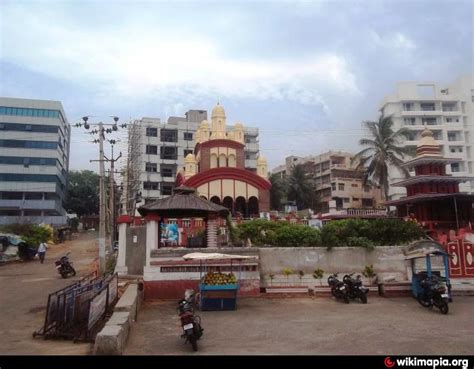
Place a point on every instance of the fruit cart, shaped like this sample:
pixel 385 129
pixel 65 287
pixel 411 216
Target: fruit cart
pixel 217 291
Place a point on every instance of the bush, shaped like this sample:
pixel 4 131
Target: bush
pixel 365 233
pixel 264 232
pixel 32 234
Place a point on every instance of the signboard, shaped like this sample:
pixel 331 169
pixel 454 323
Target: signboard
pixel 170 233
pixel 97 308
pixel 315 223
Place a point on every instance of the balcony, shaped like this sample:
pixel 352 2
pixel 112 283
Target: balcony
pixel 54 220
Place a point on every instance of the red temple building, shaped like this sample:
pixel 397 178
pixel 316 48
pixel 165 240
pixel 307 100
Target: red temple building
pixel 433 197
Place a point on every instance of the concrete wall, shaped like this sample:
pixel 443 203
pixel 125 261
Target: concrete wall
pixel 387 261
pixel 136 251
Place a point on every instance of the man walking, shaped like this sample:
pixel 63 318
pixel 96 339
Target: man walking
pixel 42 251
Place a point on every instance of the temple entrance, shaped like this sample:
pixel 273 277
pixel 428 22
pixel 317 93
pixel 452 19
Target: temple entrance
pixel 215 200
pixel 253 207
pixel 241 206
pixel 228 202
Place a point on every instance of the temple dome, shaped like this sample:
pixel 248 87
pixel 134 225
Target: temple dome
pixel 218 111
pixel 204 124
pixel 190 158
pixel 427 144
pixel 261 160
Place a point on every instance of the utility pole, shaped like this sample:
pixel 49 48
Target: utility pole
pixel 112 219
pixel 102 194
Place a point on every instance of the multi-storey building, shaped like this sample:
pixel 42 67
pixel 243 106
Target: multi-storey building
pixel 448 111
pixel 335 178
pixel 159 150
pixel 34 161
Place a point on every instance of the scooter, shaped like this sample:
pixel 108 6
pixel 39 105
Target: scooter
pixel 64 266
pixel 338 289
pixel 434 293
pixel 355 289
pixel 190 322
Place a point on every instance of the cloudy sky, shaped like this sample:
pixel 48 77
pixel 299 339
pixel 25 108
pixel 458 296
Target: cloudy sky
pixel 305 72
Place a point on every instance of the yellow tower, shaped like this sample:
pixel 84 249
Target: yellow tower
pixel 203 132
pixel 262 169
pixel 190 166
pixel 218 122
pixel 239 133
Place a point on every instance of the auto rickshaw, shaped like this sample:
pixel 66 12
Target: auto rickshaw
pixel 433 253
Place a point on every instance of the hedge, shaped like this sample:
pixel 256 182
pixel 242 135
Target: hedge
pixel 350 232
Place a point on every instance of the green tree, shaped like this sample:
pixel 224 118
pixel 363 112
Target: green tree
pixel 381 151
pixel 277 192
pixel 300 187
pixel 83 194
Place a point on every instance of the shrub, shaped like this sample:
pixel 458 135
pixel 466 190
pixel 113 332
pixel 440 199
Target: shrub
pixel 32 234
pixel 318 274
pixel 368 271
pixel 264 232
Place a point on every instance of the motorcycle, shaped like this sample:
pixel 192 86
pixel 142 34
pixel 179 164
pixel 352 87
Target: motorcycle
pixel 190 322
pixel 434 294
pixel 64 266
pixel 355 289
pixel 338 289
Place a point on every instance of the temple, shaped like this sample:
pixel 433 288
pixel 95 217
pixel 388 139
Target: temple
pixel 433 197
pixel 217 169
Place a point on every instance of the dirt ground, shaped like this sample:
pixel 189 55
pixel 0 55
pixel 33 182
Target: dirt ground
pixel 396 326
pixel 24 289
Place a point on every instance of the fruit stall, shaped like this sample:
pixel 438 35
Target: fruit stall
pixel 217 290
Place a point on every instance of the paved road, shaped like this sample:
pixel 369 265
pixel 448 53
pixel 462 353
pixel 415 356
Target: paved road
pixel 24 289
pixel 396 326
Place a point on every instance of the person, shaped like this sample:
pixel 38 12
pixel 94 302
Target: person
pixel 42 251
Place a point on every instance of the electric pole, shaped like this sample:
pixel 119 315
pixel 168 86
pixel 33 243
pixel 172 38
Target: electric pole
pixel 112 205
pixel 102 194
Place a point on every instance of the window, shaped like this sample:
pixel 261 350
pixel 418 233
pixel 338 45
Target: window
pixel 455 167
pixel 45 113
pixel 187 152
pixel 346 199
pixel 409 121
pixel 151 167
pixel 429 121
pixel 355 199
pixel 452 136
pixel 150 185
pixel 32 161
pixel 166 171
pixel 333 186
pixel 166 189
pixel 151 132
pixel 354 185
pixel 186 223
pixel 427 106
pixel 247 156
pixel 152 149
pixel 169 135
pixel 26 162
pixel 16 177
pixel 167 152
pixel 188 136
pixel 341 186
pixel 408 106
pixel 29 144
pixel 449 120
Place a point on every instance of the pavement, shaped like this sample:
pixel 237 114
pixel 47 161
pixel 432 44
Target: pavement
pixel 319 326
pixel 24 289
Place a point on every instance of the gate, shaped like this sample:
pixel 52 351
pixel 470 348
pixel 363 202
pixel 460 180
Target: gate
pixel 461 265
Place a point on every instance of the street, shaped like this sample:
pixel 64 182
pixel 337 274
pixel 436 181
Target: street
pixel 320 326
pixel 24 289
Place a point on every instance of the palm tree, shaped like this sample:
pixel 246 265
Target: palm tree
pixel 277 192
pixel 382 151
pixel 300 187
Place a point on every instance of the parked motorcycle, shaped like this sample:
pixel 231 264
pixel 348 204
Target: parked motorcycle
pixel 354 288
pixel 338 289
pixel 190 322
pixel 64 266
pixel 434 293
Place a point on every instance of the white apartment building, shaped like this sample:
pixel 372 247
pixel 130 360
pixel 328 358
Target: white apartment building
pixel 159 149
pixel 335 178
pixel 448 111
pixel 34 161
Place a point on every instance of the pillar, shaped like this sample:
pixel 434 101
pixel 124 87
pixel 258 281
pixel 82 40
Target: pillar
pixel 152 235
pixel 123 222
pixel 211 230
